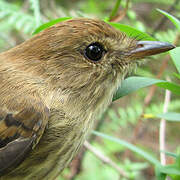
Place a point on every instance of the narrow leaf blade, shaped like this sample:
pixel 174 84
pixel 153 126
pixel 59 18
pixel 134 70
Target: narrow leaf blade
pixel 132 147
pixel 134 83
pixel 175 88
pixel 175 54
pixel 132 32
pixel 49 24
pixel 174 20
pixel 170 116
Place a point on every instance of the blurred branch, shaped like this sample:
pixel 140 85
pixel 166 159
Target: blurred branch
pixel 9 41
pixel 121 14
pixel 115 10
pixel 36 9
pixel 104 158
pixel 54 9
pixel 162 129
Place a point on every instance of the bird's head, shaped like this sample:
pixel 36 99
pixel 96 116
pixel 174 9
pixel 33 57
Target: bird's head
pixel 83 51
pixel 87 58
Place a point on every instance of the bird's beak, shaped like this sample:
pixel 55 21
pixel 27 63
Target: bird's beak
pixel 148 48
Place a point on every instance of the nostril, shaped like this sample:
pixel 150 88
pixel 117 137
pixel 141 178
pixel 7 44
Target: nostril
pixel 140 45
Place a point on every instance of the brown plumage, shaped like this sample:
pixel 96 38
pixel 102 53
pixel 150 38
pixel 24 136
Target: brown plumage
pixel 53 86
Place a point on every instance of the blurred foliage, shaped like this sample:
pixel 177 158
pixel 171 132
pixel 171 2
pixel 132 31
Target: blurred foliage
pixel 125 118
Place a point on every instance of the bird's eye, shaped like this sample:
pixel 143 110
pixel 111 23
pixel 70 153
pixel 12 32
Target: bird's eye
pixel 94 51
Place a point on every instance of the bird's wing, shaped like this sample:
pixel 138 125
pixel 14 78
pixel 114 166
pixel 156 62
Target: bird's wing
pixel 20 131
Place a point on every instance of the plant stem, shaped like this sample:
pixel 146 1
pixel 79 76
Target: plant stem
pixel 104 158
pixel 115 9
pixel 162 129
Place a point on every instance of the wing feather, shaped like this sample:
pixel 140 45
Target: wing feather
pixel 20 131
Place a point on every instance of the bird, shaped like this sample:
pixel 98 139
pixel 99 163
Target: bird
pixel 53 87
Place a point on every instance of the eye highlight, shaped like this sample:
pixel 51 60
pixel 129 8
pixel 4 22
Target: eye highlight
pixel 94 51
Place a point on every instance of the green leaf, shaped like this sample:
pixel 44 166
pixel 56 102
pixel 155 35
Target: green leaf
pixel 132 84
pixel 170 116
pixel 49 24
pixel 170 154
pixel 174 20
pixel 172 170
pixel 175 55
pixel 159 174
pixel 169 169
pixel 175 88
pixel 178 160
pixel 132 147
pixel 176 75
pixel 132 32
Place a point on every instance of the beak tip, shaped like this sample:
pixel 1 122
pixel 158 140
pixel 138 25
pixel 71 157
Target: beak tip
pixel 172 46
pixel 148 48
pixel 168 46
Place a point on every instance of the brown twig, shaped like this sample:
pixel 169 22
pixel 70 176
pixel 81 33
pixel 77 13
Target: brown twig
pixel 105 159
pixel 121 14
